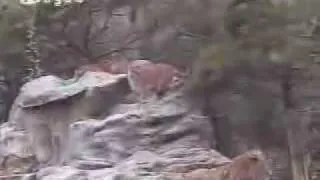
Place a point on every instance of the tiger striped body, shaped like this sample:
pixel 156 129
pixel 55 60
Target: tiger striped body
pixel 147 78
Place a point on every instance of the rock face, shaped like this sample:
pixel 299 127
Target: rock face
pixel 157 139
pixel 250 165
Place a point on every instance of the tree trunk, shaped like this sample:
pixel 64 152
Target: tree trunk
pixel 295 121
pixel 300 161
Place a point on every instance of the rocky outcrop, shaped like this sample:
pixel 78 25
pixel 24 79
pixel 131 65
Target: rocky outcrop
pixel 157 139
pixel 249 165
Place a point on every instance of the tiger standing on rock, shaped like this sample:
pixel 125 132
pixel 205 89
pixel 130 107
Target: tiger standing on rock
pixel 147 78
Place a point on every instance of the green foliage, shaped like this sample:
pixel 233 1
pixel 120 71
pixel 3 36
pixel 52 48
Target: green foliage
pixel 212 57
pixel 14 22
pixel 45 10
pixel 257 24
pixel 259 32
pixel 209 65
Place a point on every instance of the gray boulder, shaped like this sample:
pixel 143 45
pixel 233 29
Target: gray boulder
pixel 157 139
